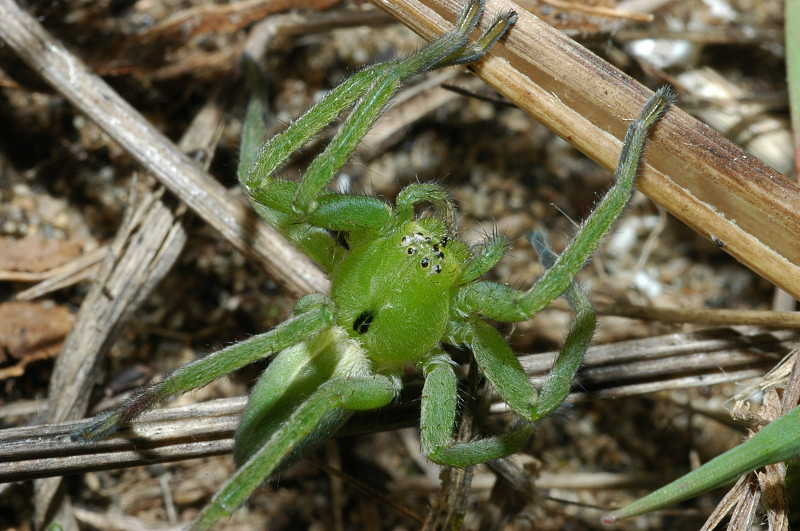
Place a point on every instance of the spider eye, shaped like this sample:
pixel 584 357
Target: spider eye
pixel 411 250
pixel 424 262
pixel 362 322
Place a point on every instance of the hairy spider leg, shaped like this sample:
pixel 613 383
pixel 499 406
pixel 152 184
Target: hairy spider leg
pixel 438 418
pixel 503 303
pixel 503 369
pixel 354 393
pixel 556 386
pixel 205 370
pixel 304 212
pixel 492 353
pixel 370 90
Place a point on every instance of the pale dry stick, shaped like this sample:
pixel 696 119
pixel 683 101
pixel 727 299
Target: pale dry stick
pixel 652 364
pixel 719 190
pixel 695 316
pixel 745 512
pixel 209 199
pixel 742 489
pixel 143 252
pixel 703 316
pixel 71 273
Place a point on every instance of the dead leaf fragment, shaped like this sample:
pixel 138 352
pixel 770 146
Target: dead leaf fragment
pixel 29 332
pixel 35 255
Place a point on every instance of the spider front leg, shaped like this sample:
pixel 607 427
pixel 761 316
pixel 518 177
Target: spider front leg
pixel 334 398
pixel 503 303
pixel 496 301
pixel 315 318
pixel 369 91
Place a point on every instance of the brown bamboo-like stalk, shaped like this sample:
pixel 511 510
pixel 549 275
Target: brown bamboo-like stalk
pixel 719 190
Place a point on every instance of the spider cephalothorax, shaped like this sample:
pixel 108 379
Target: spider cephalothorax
pixel 376 286
pixel 403 286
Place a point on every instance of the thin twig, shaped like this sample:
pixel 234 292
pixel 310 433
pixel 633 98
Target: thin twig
pixel 703 316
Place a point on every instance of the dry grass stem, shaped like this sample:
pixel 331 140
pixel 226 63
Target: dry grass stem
pixel 703 316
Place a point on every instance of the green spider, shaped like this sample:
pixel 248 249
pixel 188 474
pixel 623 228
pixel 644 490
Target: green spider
pixel 403 286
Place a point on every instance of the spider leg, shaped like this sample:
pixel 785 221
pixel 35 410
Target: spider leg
pixel 437 420
pixel 501 366
pixel 338 395
pixel 485 256
pixel 497 301
pixel 502 303
pixel 203 371
pixel 286 383
pixel 556 387
pixel 418 193
pixel 280 147
pixel 451 48
pixel 445 51
pixel 370 90
pixel 503 369
pixel 361 119
pixel 469 54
